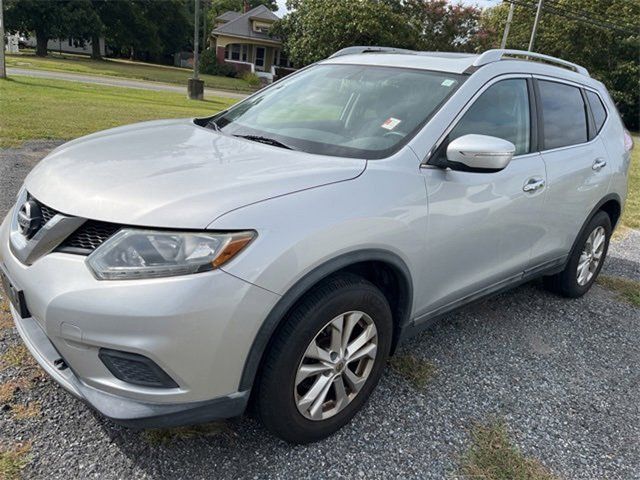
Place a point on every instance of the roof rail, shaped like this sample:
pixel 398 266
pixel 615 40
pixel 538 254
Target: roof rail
pixel 491 56
pixel 373 49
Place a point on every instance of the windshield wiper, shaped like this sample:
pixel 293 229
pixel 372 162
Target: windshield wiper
pixel 212 124
pixel 265 140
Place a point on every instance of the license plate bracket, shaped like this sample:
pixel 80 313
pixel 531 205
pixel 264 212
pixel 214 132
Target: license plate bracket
pixel 15 296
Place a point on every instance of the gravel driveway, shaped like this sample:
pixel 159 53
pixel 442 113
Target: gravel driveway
pixel 563 375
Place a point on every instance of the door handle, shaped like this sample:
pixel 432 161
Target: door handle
pixel 599 164
pixel 533 185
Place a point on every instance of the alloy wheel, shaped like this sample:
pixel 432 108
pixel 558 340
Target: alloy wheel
pixel 336 365
pixel 591 256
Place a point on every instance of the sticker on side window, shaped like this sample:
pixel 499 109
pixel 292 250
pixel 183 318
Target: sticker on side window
pixel 447 82
pixel 390 123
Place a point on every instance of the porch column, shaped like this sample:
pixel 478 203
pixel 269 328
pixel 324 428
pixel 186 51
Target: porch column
pixel 220 54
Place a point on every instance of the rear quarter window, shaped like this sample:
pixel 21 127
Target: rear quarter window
pixel 598 110
pixel 564 115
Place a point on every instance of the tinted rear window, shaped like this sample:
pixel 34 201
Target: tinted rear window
pixel 597 108
pixel 564 115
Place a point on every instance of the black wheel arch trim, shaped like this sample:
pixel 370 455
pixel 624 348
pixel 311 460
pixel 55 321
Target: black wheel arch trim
pixel 594 210
pixel 295 293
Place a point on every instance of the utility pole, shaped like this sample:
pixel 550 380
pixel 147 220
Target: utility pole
pixel 195 87
pixel 535 26
pixel 3 69
pixel 503 44
pixel 205 7
pixel 196 46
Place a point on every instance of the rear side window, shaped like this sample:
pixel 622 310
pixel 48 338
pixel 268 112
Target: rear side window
pixel 598 110
pixel 501 111
pixel 564 115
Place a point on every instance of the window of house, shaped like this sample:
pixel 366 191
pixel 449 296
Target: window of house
pixel 237 52
pixel 261 27
pixel 564 115
pixel 500 111
pixel 598 110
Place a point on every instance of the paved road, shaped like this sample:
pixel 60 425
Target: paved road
pixel 562 374
pixel 118 82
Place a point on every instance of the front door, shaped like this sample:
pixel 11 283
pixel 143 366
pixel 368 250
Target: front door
pixel 260 56
pixel 482 226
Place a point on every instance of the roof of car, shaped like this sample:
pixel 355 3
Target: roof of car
pixel 454 63
pixel 459 62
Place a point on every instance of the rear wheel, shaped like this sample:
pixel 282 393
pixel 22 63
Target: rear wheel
pixel 586 259
pixel 326 360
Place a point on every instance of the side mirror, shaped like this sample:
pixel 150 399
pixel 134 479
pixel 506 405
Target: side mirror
pixel 479 153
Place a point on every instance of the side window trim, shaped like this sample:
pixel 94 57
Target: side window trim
pixel 431 156
pixel 537 133
pixel 591 124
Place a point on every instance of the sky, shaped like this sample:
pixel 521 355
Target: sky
pixel 479 3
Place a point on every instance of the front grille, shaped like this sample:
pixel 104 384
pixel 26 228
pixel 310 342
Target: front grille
pixel 89 236
pixel 47 213
pixel 136 369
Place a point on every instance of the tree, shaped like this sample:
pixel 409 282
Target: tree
pixel 80 22
pixel 144 29
pixel 65 18
pixel 32 16
pixel 440 25
pixel 314 29
pixel 611 55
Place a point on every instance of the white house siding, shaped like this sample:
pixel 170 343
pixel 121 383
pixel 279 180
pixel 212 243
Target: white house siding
pixel 68 45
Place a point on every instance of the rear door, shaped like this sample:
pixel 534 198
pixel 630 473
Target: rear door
pixel 576 164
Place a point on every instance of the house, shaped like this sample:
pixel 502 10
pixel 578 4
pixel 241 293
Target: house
pixel 242 40
pixel 68 45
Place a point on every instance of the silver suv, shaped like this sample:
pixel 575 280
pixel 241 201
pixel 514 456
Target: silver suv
pixel 281 250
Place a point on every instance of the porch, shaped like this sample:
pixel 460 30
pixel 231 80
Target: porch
pixel 266 60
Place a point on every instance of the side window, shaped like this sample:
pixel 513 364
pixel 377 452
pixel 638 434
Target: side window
pixel 564 115
pixel 598 110
pixel 500 111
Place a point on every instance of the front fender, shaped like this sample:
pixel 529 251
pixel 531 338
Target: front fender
pixel 383 210
pixel 306 236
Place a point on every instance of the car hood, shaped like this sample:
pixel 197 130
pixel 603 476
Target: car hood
pixel 174 174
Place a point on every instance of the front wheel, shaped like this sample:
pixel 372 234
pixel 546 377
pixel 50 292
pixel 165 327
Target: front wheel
pixel 585 261
pixel 326 360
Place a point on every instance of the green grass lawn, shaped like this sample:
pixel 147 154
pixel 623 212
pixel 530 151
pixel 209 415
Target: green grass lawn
pixel 631 217
pixel 33 108
pixel 120 68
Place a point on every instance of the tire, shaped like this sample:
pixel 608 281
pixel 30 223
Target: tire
pixel 282 403
pixel 568 283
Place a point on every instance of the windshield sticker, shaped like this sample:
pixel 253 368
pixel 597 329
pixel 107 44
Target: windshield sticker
pixel 447 82
pixel 390 123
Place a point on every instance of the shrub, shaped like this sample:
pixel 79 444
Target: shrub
pixel 252 79
pixel 209 64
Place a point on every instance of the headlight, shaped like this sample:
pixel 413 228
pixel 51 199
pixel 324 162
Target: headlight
pixel 134 253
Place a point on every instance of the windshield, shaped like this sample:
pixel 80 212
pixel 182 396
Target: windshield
pixel 343 110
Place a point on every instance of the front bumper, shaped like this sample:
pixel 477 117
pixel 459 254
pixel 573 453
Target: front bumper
pixel 132 413
pixel 197 328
